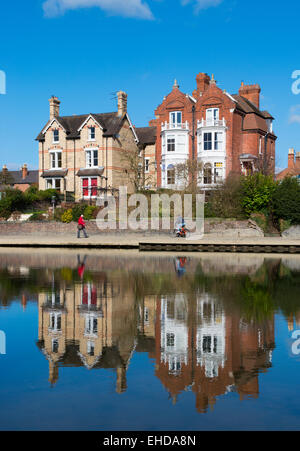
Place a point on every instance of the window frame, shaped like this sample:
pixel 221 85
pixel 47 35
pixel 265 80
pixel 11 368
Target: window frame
pixel 89 187
pixel 56 160
pixel 54 135
pixel 92 158
pixel 90 133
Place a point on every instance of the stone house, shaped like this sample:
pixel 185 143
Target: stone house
pixel 226 133
pixel 86 154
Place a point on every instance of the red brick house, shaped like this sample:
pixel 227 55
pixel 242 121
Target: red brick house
pixel 21 179
pixel 226 133
pixel 293 169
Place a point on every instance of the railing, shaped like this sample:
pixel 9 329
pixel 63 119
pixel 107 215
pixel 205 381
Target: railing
pixel 211 123
pixel 174 126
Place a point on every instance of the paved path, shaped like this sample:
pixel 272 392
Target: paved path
pixel 132 240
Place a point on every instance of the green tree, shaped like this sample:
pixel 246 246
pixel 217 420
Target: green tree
pixel 257 193
pixel 286 200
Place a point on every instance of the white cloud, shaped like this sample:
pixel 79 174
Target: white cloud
pixel 202 4
pixel 127 8
pixel 294 115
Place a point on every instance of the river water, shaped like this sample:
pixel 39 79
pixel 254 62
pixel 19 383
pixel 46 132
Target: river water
pixel 129 341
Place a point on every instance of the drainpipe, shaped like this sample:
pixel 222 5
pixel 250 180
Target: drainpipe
pixel 43 158
pixel 74 169
pixel 106 161
pixel 193 141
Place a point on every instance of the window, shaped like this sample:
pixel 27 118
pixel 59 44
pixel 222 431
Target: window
pixel 147 161
pixel 213 141
pixel 207 141
pixel 55 160
pixel 206 344
pixel 171 144
pixel 171 176
pixel 91 325
pixel 55 321
pixel 53 184
pixel 92 133
pixel 218 172
pixel 91 158
pixel 89 187
pixel 55 345
pixel 212 115
pixel 175 118
pixel 170 340
pixel 207 172
pixel 91 348
pixel 55 136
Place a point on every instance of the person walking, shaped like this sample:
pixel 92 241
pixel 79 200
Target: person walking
pixel 81 226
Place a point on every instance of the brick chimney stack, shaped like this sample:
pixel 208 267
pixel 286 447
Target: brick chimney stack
pixel 122 103
pixel 291 157
pixel 54 107
pixel 251 92
pixel 297 162
pixel 24 171
pixel 203 82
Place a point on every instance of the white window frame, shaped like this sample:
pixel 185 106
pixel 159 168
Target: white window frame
pixel 214 113
pixel 90 133
pixel 89 327
pixel 53 136
pixel 173 118
pixel 55 153
pixel 173 138
pixel 89 161
pixel 53 180
pixel 213 141
pixel 89 187
pixel 54 316
pixel 147 165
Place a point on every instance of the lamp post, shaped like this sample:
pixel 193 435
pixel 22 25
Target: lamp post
pixel 53 205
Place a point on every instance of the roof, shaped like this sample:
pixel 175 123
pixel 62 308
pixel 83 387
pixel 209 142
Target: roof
pixel 254 119
pixel 91 172
pixel 288 172
pixel 16 177
pixel 146 135
pixel 55 173
pixel 110 122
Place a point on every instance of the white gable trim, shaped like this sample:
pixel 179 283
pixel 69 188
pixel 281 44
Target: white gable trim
pixel 132 128
pixel 231 98
pixel 86 121
pixel 49 125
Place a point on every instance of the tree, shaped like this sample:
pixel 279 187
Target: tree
pixel 188 175
pixel 6 178
pixel 286 200
pixel 135 168
pixel 258 190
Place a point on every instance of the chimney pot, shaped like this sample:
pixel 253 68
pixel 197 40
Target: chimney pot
pixel 24 171
pixel 291 161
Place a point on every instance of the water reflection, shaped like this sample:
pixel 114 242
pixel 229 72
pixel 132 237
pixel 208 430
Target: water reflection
pixel 207 323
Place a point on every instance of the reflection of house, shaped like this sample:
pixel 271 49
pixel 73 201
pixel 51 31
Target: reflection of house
pixel 91 325
pixel 200 348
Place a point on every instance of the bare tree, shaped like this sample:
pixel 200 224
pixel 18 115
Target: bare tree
pixel 134 165
pixel 189 174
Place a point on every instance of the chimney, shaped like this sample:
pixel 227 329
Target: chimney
pixel 24 171
pixel 121 380
pixel 251 92
pixel 54 107
pixel 203 82
pixel 291 159
pixel 4 169
pixel 122 103
pixel 297 162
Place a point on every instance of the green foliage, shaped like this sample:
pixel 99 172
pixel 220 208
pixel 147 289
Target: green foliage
pixel 89 212
pixel 12 200
pixel 226 200
pixel 257 193
pixel 67 216
pixel 286 200
pixel 37 216
pixel 77 211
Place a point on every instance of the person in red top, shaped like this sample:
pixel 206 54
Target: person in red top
pixel 81 226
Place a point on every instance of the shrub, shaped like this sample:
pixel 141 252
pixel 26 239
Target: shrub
pixel 286 200
pixel 257 193
pixel 37 217
pixel 67 216
pixel 89 212
pixel 226 200
pixel 77 211
pixel 13 199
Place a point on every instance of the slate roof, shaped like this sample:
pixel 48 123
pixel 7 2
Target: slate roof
pixel 110 122
pixel 55 173
pixel 16 177
pixel 146 135
pixel 254 118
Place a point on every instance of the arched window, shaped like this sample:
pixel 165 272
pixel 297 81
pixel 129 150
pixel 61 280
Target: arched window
pixel 207 174
pixel 170 175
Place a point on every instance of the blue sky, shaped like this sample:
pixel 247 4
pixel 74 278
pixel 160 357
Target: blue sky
pixel 84 50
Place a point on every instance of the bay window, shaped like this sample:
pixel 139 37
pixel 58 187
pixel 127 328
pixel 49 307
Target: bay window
pixel 53 183
pixel 171 144
pixel 171 175
pixel 213 141
pixel 89 187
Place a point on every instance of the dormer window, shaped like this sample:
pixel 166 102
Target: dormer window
pixel 175 118
pixel 92 133
pixel 55 136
